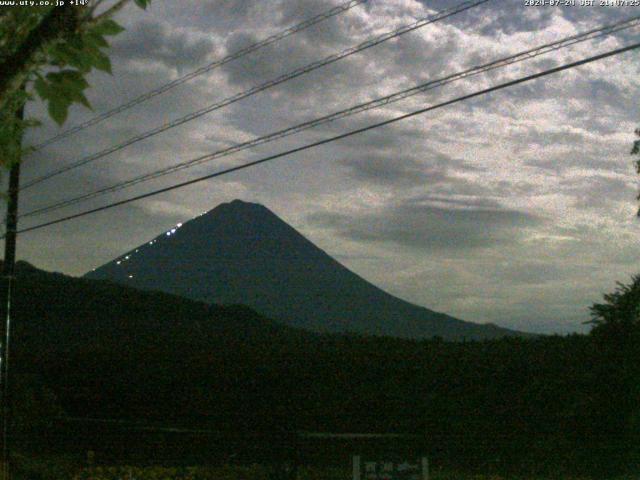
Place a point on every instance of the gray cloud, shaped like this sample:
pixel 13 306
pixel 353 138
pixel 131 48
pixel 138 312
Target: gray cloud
pixel 152 41
pixel 436 208
pixel 333 32
pixel 599 191
pixel 527 272
pixel 269 62
pixel 432 223
pixel 380 169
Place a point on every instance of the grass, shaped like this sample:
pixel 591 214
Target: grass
pixel 261 472
pixel 62 468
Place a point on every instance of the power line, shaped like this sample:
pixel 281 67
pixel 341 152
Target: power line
pixel 379 102
pixel 264 86
pixel 338 137
pixel 207 68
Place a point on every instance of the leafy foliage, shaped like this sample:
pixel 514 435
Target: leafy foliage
pixel 42 467
pixel 255 472
pixel 259 472
pixel 620 313
pixel 555 405
pixel 61 89
pixel 33 405
pixel 635 150
pixel 12 129
pixel 142 3
pixel 48 51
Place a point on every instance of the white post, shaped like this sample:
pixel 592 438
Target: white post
pixel 425 468
pixel 356 467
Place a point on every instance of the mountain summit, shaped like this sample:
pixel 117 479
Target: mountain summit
pixel 242 253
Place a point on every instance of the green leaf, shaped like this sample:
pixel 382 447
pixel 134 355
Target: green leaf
pixel 83 100
pixel 103 63
pixel 59 109
pixel 76 42
pixel 108 27
pixel 42 88
pixel 96 40
pixel 96 58
pixel 67 79
pixel 142 3
pixel 68 55
pixel 66 87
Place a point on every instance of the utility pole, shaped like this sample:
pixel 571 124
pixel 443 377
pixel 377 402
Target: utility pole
pixel 9 277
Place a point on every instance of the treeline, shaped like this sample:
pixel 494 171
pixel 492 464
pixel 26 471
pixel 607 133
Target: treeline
pixel 548 404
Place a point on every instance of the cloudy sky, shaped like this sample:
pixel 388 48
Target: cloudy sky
pixel 516 208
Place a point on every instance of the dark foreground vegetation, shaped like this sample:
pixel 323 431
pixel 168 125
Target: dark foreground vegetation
pixel 83 349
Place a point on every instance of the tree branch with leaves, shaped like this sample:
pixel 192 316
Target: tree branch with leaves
pixel 47 52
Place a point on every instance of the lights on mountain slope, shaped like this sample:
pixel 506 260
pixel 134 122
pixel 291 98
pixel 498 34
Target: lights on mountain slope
pixel 173 230
pixel 151 243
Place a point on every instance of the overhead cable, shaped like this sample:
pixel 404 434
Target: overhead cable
pixel 260 88
pixel 377 103
pixel 206 68
pixel 337 137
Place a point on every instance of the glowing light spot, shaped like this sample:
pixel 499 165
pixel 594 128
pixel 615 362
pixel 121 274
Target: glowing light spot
pixel 168 234
pixel 173 230
pixel 179 225
pixel 127 257
pixel 130 276
pixel 118 262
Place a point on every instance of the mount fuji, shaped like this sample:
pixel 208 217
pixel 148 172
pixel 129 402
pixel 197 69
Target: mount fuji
pixel 242 253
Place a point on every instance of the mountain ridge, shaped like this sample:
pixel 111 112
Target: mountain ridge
pixel 243 253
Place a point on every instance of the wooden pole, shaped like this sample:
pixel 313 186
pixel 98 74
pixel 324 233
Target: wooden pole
pixel 425 468
pixel 356 467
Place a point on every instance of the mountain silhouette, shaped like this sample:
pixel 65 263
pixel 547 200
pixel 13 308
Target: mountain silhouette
pixel 242 253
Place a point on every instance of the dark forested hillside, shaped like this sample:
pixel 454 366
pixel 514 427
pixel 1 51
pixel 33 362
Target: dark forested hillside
pixel 109 351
